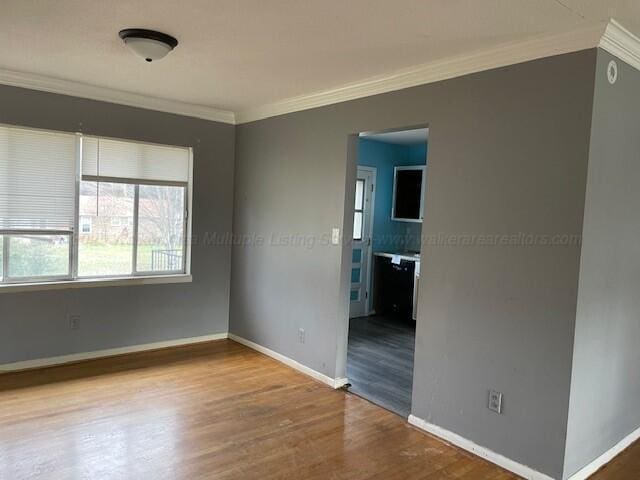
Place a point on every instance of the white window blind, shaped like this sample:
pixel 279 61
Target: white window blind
pixel 37 179
pixel 132 161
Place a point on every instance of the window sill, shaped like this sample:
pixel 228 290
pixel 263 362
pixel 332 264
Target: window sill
pixel 93 283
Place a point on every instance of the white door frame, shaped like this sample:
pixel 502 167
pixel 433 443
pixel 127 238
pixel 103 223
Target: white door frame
pixel 366 244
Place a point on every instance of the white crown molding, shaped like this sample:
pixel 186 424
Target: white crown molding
pixel 621 43
pixel 610 36
pixel 83 90
pixel 496 57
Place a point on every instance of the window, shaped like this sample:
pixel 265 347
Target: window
pixel 359 210
pixel 108 251
pixel 160 228
pixel 85 224
pixel 33 256
pixel 127 201
pixel 37 203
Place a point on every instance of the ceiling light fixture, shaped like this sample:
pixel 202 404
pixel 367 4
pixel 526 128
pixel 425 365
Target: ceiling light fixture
pixel 148 44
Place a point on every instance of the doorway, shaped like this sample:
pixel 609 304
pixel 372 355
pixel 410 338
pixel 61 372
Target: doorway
pixel 388 210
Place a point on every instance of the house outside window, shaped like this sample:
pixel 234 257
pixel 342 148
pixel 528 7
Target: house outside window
pixel 85 225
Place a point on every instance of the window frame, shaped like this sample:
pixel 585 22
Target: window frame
pixel 102 277
pixel 73 279
pixel 7 279
pixel 136 227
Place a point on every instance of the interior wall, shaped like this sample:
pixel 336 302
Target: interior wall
pixel 605 386
pixel 35 324
pixel 508 157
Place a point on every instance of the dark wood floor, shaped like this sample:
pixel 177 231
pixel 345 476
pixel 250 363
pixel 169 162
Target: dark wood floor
pixel 212 411
pixel 380 361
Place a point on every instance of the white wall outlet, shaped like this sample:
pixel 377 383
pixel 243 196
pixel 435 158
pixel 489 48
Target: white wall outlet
pixel 335 236
pixel 301 335
pixel 74 322
pixel 495 401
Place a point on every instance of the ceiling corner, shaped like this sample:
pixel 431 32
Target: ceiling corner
pixel 76 89
pixel 621 43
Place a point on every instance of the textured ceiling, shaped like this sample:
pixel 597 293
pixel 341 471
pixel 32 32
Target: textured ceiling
pixel 237 54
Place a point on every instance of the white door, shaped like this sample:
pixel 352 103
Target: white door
pixel 361 252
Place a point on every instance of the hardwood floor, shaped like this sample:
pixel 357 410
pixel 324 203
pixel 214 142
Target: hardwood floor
pixel 380 361
pixel 625 466
pixel 211 411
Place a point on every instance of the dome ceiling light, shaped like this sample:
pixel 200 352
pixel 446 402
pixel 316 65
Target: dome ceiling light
pixel 148 44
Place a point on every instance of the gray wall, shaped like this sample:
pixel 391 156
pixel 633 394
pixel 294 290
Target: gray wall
pixel 605 389
pixel 508 154
pixel 34 325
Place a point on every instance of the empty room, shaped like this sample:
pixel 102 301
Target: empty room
pixel 319 240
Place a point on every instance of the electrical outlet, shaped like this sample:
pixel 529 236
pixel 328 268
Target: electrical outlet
pixel 495 401
pixel 74 322
pixel 301 335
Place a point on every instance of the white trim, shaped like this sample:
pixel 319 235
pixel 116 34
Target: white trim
pixel 620 42
pixel 76 357
pixel 372 174
pixel 488 59
pixel 606 457
pixel 468 445
pixel 77 89
pixel 95 282
pixel 136 220
pixel 340 382
pixel 334 383
pixel 189 216
pixel 369 292
pixel 75 239
pixel 610 36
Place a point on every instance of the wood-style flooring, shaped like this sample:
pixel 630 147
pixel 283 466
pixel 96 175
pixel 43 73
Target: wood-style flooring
pixel 380 361
pixel 219 411
pixel 625 466
pixel 211 411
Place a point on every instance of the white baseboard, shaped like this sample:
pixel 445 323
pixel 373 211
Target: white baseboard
pixel 76 357
pixel 48 362
pixel 332 382
pixel 468 445
pixel 606 457
pixel 446 435
pixel 340 382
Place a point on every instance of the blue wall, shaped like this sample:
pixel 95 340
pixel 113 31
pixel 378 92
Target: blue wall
pixel 390 235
